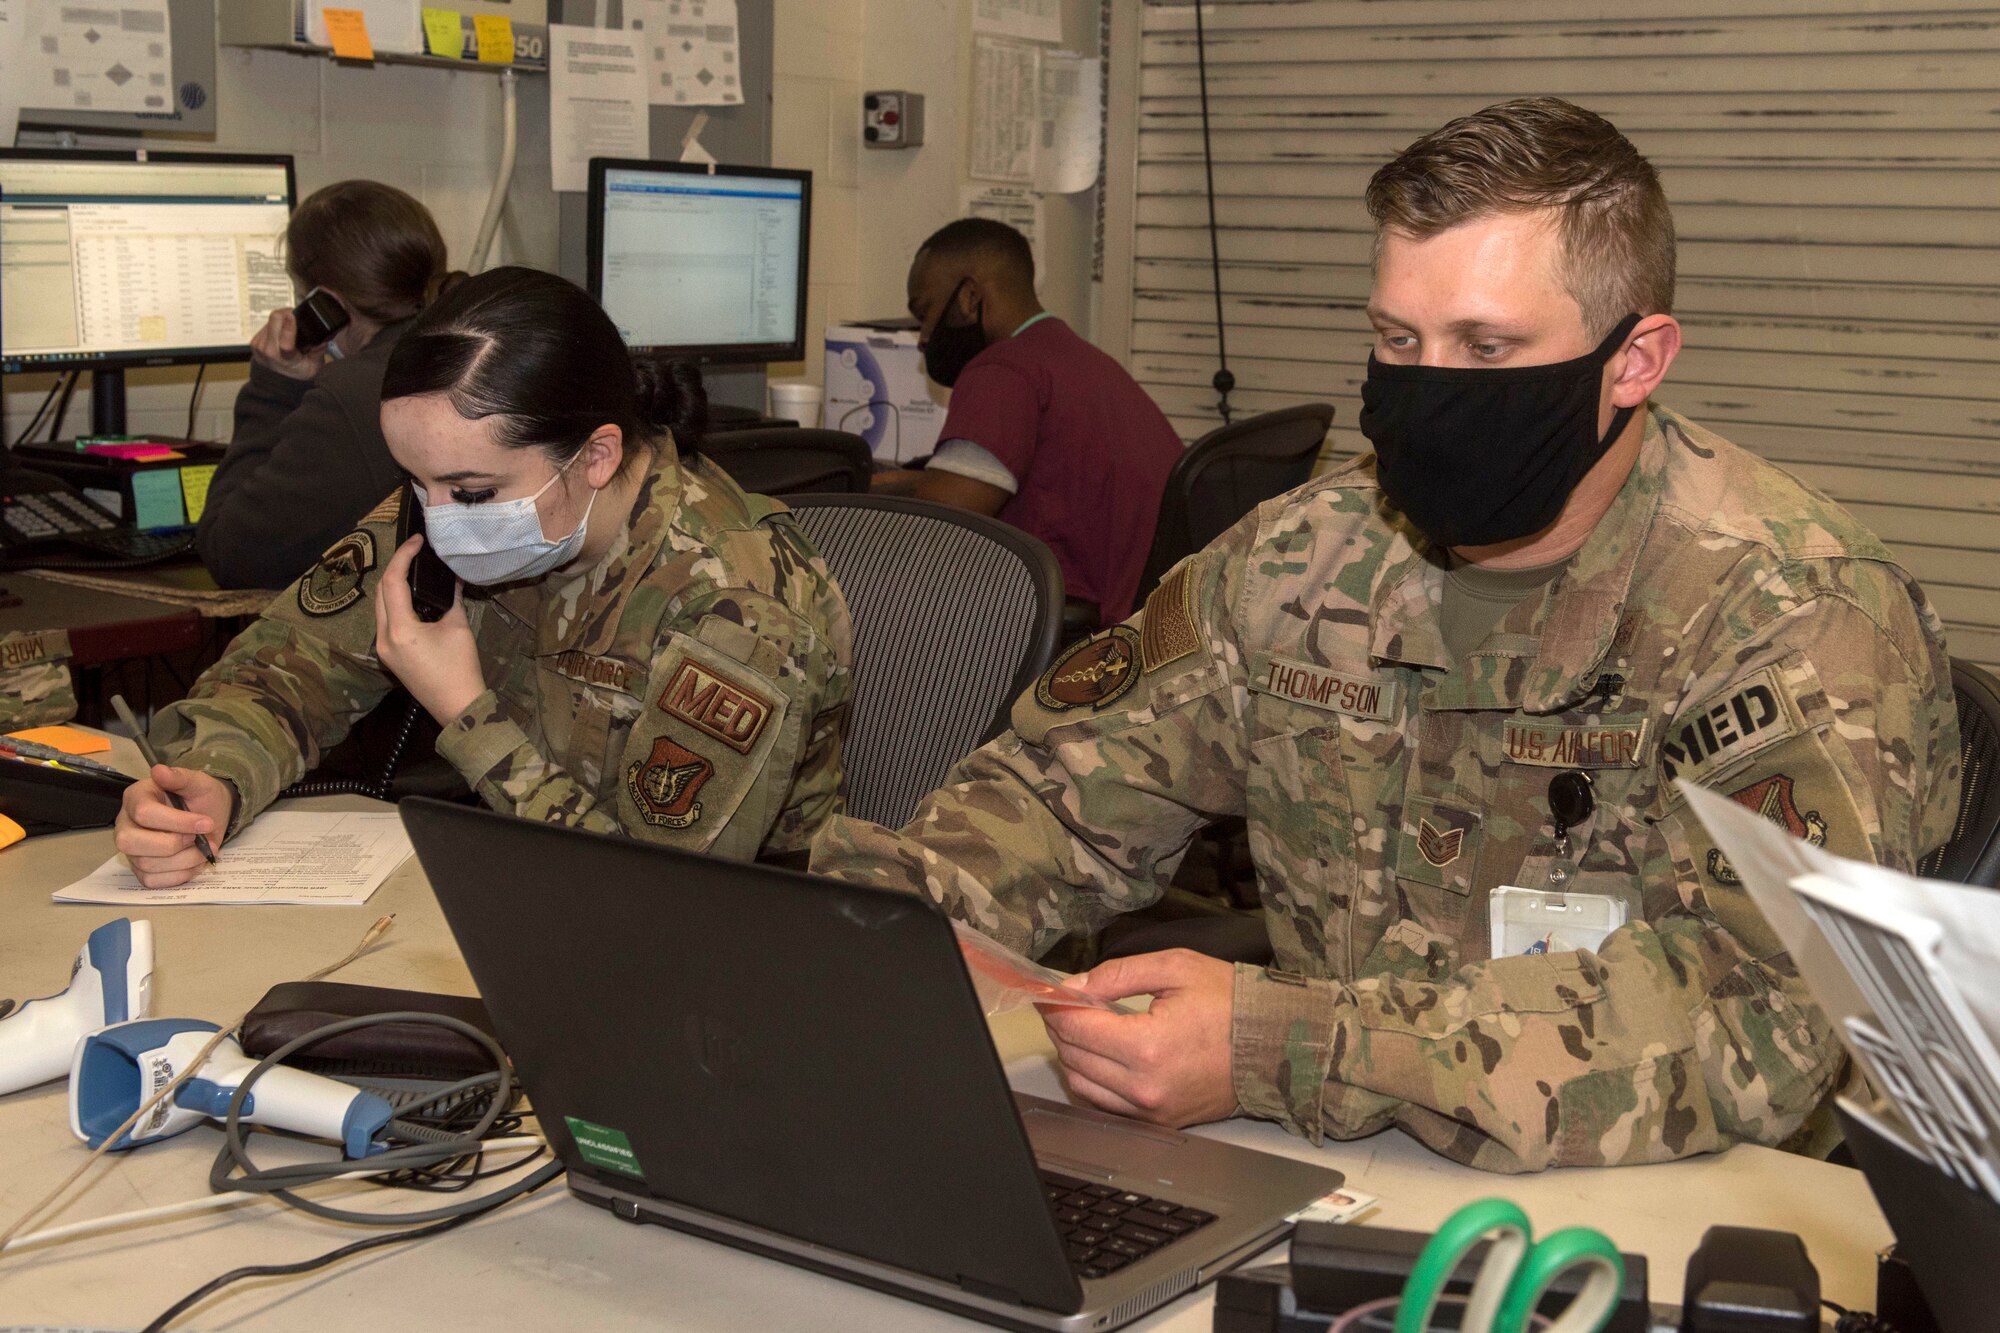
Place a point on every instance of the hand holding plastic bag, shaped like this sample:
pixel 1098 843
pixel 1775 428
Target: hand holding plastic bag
pixel 1005 980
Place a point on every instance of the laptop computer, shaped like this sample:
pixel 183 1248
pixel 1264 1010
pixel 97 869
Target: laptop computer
pixel 801 1068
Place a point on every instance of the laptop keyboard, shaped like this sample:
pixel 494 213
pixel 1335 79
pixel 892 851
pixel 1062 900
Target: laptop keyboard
pixel 1104 1228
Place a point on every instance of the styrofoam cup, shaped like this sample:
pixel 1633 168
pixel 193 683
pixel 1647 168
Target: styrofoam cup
pixel 795 400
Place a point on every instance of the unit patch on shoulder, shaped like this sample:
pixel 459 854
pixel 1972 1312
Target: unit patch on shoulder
pixel 1093 674
pixel 664 784
pixel 1170 632
pixel 1771 798
pixel 1757 715
pixel 334 584
pixel 711 702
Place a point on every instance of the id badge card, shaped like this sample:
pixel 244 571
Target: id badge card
pixel 1532 921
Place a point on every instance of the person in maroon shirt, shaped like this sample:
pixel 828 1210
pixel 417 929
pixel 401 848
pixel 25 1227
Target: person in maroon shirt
pixel 1044 431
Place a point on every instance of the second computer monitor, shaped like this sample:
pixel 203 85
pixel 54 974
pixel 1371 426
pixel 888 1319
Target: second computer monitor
pixel 707 266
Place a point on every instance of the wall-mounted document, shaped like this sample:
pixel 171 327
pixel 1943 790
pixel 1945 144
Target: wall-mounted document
pixel 691 50
pixel 95 57
pixel 597 100
pixel 1015 205
pixel 1029 20
pixel 1006 109
pixel 1066 158
pixel 13 36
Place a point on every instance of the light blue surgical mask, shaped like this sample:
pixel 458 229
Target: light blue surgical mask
pixel 500 542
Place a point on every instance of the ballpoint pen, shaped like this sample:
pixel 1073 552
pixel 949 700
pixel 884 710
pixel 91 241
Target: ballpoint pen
pixel 124 711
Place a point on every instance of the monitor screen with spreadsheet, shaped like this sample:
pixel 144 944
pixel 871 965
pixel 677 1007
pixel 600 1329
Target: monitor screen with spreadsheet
pixel 112 259
pixel 711 267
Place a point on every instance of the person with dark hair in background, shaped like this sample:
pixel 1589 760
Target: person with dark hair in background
pixel 307 459
pixel 637 646
pixel 1045 431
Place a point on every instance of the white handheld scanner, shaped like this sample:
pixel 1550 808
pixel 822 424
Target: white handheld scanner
pixel 110 982
pixel 119 1068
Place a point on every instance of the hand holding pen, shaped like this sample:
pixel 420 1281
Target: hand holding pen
pixel 164 817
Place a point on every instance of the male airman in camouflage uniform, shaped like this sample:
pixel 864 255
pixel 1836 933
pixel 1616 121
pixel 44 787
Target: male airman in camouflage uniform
pixel 1719 623
pixel 35 688
pixel 692 689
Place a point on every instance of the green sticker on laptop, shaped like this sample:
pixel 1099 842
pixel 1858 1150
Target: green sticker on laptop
pixel 601 1145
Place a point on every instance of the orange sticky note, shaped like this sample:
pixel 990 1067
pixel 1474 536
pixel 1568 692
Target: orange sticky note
pixel 495 35
pixel 67 739
pixel 347 30
pixel 10 832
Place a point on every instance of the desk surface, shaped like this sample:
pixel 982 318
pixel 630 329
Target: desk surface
pixel 103 626
pixel 551 1262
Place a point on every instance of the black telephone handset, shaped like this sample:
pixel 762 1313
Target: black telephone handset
pixel 433 586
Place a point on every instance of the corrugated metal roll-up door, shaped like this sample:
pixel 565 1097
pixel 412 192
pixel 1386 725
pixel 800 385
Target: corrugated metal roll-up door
pixel 1834 167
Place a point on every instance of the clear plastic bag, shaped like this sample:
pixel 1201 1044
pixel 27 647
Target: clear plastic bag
pixel 1005 980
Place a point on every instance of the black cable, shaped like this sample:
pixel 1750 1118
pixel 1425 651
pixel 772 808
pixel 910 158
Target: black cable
pixel 1223 381
pixel 207 1289
pixel 36 420
pixel 62 408
pixel 1857 1321
pixel 194 399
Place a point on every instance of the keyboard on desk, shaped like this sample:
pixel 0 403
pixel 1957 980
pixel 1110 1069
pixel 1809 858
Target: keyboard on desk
pixel 1105 1228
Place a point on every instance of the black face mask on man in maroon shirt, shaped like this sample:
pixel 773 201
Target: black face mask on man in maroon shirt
pixel 952 346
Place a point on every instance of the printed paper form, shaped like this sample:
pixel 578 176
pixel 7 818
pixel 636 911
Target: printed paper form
pixel 597 101
pixel 1006 110
pixel 97 57
pixel 337 860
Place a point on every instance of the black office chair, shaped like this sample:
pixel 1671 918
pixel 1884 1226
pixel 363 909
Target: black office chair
pixel 955 614
pixel 792 461
pixel 1972 854
pixel 1227 473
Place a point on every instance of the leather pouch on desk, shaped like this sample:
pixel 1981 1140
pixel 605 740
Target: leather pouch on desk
pixel 385 1050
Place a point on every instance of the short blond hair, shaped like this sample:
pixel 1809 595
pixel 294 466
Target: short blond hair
pixel 1543 153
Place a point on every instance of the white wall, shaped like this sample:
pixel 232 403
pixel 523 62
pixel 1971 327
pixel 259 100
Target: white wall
pixel 435 133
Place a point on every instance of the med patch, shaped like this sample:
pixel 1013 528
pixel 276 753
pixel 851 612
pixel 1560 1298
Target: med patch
pixel 716 704
pixel 334 584
pixel 1093 674
pixel 1755 715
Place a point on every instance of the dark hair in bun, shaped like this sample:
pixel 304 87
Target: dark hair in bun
pixel 536 352
pixel 671 396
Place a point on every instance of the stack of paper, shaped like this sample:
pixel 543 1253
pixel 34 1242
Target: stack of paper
pixel 336 860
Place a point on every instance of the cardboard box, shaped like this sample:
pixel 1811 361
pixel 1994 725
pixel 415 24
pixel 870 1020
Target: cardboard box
pixel 876 388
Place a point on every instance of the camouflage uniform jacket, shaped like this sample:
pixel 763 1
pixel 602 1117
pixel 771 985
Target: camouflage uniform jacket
pixel 691 688
pixel 1723 623
pixel 35 688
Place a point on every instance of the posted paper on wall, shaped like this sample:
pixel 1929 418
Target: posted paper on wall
pixel 95 57
pixel 691 49
pixel 1066 158
pixel 1029 20
pixel 293 856
pixel 1006 110
pixel 13 36
pixel 1015 205
pixel 597 100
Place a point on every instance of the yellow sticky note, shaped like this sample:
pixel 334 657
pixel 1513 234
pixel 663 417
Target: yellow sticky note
pixel 10 832
pixel 444 33
pixel 194 488
pixel 69 740
pixel 347 30
pixel 495 33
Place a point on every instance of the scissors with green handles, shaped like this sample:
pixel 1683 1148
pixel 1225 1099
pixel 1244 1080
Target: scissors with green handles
pixel 1516 1273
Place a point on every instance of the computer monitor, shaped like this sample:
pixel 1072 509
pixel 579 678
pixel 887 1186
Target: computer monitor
pixel 707 266
pixel 117 259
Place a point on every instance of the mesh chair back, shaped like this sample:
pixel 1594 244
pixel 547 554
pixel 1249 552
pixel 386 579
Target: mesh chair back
pixel 1972 855
pixel 954 615
pixel 1227 473
pixel 790 461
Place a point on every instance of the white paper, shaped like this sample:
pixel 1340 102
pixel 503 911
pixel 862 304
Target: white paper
pixel 13 36
pixel 691 146
pixel 294 856
pixel 1029 20
pixel 96 57
pixel 691 51
pixel 1006 110
pixel 394 26
pixel 1066 156
pixel 1015 205
pixel 597 101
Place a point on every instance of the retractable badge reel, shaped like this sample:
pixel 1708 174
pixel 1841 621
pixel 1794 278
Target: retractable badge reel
pixel 1556 918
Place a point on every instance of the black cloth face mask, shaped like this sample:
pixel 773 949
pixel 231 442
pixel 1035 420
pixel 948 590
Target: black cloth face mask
pixel 1480 457
pixel 952 346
